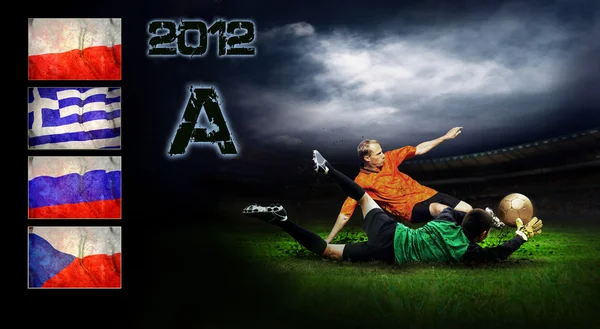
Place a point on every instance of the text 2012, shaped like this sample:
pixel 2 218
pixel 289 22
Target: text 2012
pixel 169 38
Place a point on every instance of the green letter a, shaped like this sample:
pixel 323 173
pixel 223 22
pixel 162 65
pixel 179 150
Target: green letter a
pixel 187 132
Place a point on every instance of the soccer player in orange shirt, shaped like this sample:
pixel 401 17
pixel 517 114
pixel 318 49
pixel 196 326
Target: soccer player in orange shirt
pixel 396 192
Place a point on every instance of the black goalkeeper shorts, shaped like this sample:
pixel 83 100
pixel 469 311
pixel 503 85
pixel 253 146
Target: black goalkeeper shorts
pixel 380 229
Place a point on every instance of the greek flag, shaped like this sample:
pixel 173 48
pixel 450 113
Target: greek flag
pixel 74 118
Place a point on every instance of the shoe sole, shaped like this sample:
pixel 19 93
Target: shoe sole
pixel 255 209
pixel 263 210
pixel 497 222
pixel 317 165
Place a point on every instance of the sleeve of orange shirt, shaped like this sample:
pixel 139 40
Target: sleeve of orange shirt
pixel 397 156
pixel 348 207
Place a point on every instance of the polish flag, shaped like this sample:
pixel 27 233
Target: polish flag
pixel 75 49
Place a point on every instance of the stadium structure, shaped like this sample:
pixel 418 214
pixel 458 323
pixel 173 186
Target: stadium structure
pixel 560 175
pixel 559 154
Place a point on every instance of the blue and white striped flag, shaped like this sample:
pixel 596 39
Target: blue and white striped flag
pixel 74 118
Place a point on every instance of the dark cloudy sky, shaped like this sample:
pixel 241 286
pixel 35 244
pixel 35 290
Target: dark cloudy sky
pixel 329 73
pixel 508 72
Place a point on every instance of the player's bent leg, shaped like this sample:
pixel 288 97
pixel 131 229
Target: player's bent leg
pixel 334 251
pixel 357 252
pixel 361 252
pixel 367 204
pixel 436 208
pixel 463 206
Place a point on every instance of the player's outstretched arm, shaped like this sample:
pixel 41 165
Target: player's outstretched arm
pixel 532 228
pixel 477 254
pixel 425 147
pixel 345 213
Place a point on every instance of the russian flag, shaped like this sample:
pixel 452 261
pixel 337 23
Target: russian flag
pixel 75 49
pixel 74 257
pixel 75 187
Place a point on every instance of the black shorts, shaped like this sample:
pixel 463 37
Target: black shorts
pixel 380 229
pixel 421 214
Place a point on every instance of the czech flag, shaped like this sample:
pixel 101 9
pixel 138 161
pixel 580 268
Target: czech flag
pixel 71 187
pixel 75 257
pixel 75 49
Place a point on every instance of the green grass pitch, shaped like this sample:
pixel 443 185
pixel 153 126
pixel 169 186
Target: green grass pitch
pixel 267 280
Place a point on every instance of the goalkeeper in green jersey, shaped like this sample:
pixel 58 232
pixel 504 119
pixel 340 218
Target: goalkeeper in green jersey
pixel 451 237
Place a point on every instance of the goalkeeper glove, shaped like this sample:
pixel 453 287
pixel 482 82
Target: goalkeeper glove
pixel 534 227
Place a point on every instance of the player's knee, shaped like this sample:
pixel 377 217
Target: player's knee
pixel 365 200
pixel 333 251
pixel 367 203
pixel 436 208
pixel 463 206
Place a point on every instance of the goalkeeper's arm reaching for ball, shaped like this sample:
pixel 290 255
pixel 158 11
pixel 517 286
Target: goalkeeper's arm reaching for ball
pixel 477 254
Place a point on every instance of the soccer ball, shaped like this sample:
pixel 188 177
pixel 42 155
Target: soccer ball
pixel 513 206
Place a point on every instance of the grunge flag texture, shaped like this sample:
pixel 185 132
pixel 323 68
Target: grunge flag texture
pixel 74 257
pixel 71 187
pixel 75 49
pixel 74 118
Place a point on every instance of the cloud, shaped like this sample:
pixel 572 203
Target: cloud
pixel 400 85
pixel 300 29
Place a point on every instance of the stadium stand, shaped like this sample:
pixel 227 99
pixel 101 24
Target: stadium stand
pixel 557 154
pixel 560 175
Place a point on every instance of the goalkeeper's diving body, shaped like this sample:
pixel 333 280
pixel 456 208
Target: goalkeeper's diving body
pixel 451 237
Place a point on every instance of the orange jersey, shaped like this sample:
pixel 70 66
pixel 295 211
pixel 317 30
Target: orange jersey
pixel 393 190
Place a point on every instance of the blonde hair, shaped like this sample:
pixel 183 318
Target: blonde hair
pixel 364 148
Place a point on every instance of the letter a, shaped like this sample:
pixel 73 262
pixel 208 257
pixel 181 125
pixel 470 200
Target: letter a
pixel 187 132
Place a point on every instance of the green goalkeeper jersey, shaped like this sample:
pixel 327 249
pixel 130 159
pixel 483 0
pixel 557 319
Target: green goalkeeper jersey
pixel 436 241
